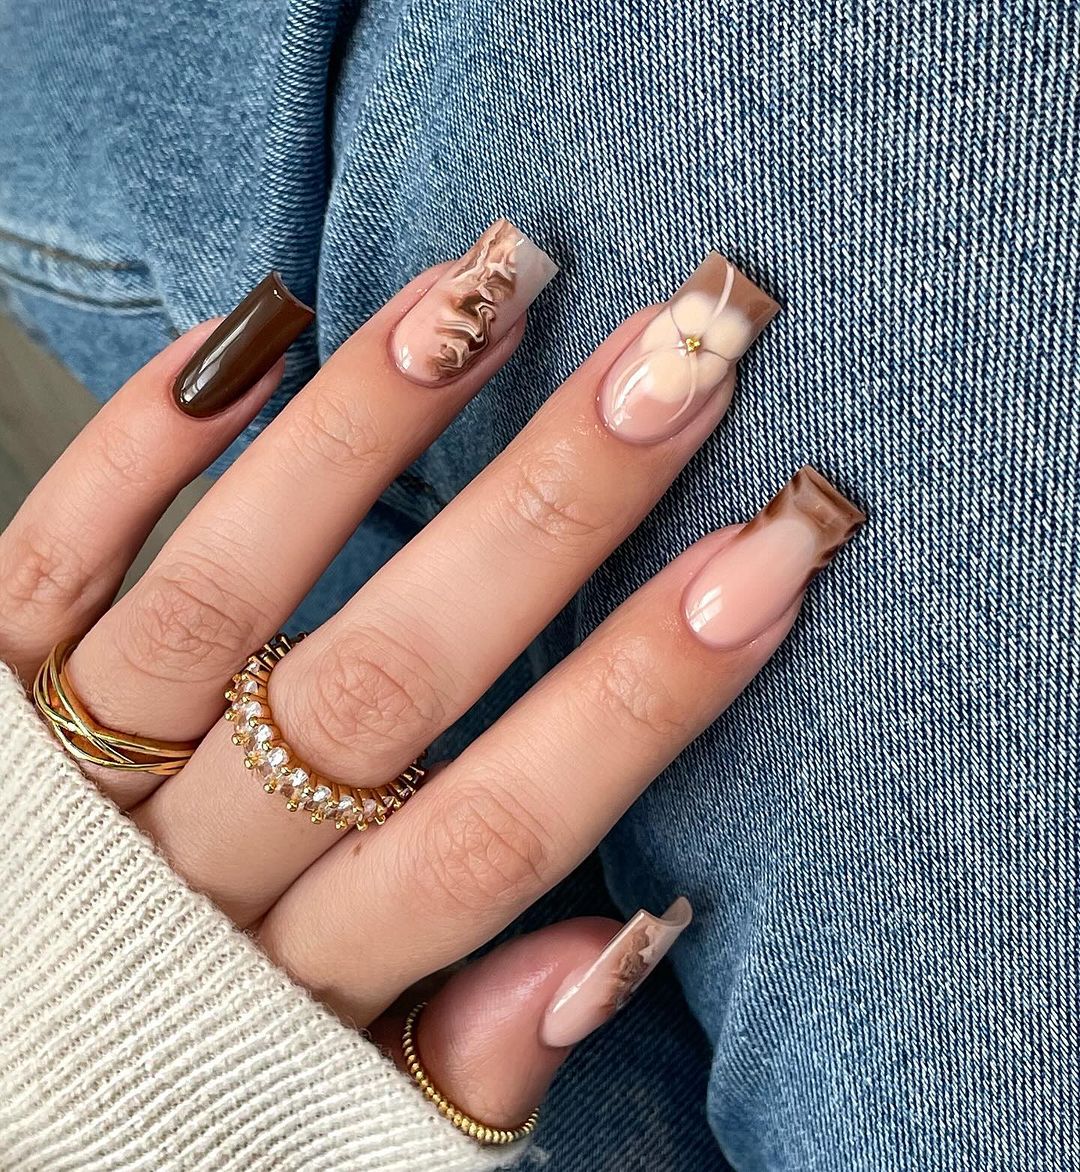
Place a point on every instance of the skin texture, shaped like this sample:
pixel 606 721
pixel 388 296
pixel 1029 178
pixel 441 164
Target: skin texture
pixel 64 555
pixel 368 691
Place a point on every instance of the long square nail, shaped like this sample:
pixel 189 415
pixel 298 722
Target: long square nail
pixel 242 348
pixel 682 362
pixel 760 574
pixel 471 306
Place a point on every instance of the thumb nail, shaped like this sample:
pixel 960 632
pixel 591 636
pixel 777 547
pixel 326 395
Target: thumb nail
pixel 594 993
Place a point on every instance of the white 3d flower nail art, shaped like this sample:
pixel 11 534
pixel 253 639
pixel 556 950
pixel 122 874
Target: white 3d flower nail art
pixel 681 361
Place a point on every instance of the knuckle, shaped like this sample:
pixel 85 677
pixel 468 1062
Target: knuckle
pixel 484 849
pixel 366 694
pixel 336 429
pixel 42 573
pixel 627 690
pixel 546 496
pixel 185 617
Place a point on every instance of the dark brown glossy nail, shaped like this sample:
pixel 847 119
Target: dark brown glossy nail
pixel 242 349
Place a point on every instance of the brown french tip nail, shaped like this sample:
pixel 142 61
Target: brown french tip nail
pixel 746 587
pixel 242 349
pixel 594 993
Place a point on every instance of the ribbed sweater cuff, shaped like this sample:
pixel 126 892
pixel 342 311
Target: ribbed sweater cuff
pixel 140 1030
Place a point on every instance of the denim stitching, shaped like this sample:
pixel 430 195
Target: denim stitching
pixel 54 252
pixel 78 298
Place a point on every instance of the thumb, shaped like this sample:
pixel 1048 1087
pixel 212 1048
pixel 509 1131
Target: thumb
pixel 494 1036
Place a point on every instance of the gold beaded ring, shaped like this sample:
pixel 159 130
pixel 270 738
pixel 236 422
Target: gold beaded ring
pixel 93 743
pixel 472 1127
pixel 282 772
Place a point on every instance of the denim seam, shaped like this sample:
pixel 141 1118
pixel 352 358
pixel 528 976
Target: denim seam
pixel 383 74
pixel 56 253
pixel 78 298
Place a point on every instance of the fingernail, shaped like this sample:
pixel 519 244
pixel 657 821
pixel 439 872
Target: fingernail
pixel 752 581
pixel 242 349
pixel 679 364
pixel 471 307
pixel 596 992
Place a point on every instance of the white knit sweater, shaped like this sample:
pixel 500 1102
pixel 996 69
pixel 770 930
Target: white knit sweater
pixel 140 1030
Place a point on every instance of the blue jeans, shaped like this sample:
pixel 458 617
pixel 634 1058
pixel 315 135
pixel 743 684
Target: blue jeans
pixel 879 839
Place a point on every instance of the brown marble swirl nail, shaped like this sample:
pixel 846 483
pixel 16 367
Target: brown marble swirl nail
pixel 471 306
pixel 242 348
pixel 594 993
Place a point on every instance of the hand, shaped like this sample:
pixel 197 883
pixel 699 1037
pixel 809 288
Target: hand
pixel 361 919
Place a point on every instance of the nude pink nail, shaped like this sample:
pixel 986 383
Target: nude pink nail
pixel 471 306
pixel 594 993
pixel 761 573
pixel 680 364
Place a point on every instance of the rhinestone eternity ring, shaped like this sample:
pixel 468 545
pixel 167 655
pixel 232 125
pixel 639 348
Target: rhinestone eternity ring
pixel 273 761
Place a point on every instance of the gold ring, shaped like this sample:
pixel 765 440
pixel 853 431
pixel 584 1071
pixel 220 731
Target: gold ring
pixel 478 1131
pixel 282 772
pixel 88 741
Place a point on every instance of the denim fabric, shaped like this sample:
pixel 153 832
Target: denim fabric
pixel 880 837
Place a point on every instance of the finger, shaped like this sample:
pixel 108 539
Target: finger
pixel 494 1036
pixel 254 546
pixel 65 553
pixel 528 800
pixel 421 641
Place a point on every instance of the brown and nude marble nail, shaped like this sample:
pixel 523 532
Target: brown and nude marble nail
pixel 679 365
pixel 760 574
pixel 471 306
pixel 593 994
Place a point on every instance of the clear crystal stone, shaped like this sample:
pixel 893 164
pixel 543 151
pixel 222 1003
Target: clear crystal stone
pixel 247 686
pixel 293 781
pixel 316 801
pixel 369 808
pixel 262 733
pixel 270 763
pixel 247 710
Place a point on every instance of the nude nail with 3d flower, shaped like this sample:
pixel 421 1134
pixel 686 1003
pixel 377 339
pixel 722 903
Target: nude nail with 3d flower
pixel 680 365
